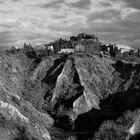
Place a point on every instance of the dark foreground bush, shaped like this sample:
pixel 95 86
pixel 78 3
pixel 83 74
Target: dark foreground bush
pixel 118 129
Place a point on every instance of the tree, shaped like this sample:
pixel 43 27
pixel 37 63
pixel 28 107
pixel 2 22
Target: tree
pixel 73 38
pixel 29 51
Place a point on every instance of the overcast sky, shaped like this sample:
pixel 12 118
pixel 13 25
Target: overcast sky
pixel 40 21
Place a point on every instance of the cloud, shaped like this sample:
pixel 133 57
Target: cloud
pixel 105 4
pixel 16 0
pixel 17 32
pixel 104 15
pixel 8 23
pixel 6 11
pixel 43 21
pixel 133 3
pixel 2 2
pixel 120 30
pixel 7 39
pixel 132 21
pixel 135 43
pixel 81 4
pixel 13 31
pixel 59 16
pixel 52 4
pixel 130 3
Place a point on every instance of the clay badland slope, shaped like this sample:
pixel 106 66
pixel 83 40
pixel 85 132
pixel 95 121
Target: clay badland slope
pixel 63 95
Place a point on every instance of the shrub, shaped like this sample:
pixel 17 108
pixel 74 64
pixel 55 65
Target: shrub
pixel 117 129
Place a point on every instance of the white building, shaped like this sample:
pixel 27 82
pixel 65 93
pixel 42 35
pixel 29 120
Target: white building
pixel 124 48
pixel 68 50
pixel 40 46
pixel 50 48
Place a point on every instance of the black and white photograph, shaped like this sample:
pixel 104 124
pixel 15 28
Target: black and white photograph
pixel 69 69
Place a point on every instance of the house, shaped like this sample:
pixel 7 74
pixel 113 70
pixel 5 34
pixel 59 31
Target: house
pixel 124 48
pixel 50 48
pixel 79 48
pixel 44 50
pixel 66 50
pixel 44 46
pixel 109 49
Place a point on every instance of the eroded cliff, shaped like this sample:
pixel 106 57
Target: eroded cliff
pixel 65 95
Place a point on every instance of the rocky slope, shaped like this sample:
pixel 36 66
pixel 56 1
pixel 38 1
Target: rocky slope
pixel 64 96
pixel 18 118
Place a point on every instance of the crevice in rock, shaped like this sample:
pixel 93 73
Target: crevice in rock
pixel 55 70
pixel 50 79
pixel 63 107
pixel 35 63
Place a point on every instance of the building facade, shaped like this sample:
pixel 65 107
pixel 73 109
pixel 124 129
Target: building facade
pixel 66 50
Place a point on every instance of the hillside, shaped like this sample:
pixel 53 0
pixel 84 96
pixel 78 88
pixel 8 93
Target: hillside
pixel 65 96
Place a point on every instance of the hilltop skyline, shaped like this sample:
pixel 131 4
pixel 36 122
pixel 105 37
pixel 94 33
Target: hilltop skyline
pixel 41 22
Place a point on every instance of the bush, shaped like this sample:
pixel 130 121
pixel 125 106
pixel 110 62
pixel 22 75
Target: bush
pixel 118 129
pixel 109 130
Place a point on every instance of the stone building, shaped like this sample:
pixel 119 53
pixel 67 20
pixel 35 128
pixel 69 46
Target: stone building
pixel 79 48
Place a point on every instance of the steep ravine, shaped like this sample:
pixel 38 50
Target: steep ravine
pixel 66 96
pixel 100 92
pixel 65 91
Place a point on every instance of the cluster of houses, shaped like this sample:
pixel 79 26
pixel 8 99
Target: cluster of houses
pixel 77 49
pixel 82 43
pixel 89 45
pixel 113 49
pixel 110 49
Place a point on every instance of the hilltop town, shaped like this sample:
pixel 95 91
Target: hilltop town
pixel 82 43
